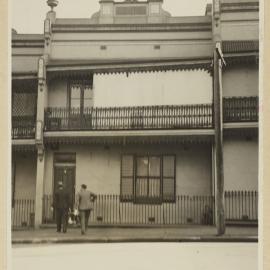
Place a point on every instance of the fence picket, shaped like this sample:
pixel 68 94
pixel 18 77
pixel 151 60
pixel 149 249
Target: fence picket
pixel 108 209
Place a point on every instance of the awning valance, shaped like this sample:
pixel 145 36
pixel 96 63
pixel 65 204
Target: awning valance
pixel 240 46
pixel 58 68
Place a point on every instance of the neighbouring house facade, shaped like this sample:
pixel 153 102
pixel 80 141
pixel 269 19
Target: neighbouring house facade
pixel 123 101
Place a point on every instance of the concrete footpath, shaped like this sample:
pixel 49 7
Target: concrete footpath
pixel 149 234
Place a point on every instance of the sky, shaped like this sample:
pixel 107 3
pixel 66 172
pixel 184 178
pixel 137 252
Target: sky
pixel 27 16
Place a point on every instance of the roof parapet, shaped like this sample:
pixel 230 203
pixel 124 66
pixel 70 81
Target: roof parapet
pixel 149 11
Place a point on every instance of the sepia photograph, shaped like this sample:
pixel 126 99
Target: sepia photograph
pixel 135 132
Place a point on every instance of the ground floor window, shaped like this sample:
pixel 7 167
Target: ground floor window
pixel 148 178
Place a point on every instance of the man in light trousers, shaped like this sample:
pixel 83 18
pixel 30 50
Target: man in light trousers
pixel 85 200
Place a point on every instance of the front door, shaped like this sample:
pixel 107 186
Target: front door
pixel 65 174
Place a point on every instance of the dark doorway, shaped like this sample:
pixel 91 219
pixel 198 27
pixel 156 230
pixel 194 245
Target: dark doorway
pixel 65 174
pixel 65 171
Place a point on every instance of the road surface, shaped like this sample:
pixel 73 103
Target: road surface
pixel 140 256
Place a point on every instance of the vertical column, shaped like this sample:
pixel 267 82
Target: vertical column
pixel 218 119
pixel 41 103
pixel 50 19
pixel 39 187
pixel 42 88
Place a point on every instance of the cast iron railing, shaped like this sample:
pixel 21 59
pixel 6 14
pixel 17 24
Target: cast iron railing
pixel 129 118
pixel 23 127
pixel 241 109
pixel 240 206
pixel 23 213
pixel 235 109
pixel 109 210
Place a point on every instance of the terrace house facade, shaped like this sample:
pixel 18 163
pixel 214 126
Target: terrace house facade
pixel 123 101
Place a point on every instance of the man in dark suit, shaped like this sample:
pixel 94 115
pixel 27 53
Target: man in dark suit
pixel 62 205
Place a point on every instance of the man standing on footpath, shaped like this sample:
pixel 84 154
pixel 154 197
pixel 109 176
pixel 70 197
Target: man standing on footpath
pixel 85 200
pixel 61 204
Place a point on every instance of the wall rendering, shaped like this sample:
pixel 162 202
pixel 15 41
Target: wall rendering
pixel 155 88
pixel 241 81
pixel 99 167
pixel 25 175
pixel 240 165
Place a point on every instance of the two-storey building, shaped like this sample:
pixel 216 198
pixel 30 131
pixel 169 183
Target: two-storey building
pixel 123 101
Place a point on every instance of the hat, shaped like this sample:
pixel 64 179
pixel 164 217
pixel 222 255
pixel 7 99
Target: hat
pixel 60 184
pixel 84 186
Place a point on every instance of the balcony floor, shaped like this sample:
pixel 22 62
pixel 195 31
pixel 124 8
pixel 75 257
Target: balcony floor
pixel 125 136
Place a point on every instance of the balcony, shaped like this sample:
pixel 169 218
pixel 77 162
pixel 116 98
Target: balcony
pixel 130 118
pixel 240 109
pixel 24 110
pixel 23 127
pixel 199 116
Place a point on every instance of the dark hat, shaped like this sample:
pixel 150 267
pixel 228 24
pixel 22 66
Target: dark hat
pixel 84 186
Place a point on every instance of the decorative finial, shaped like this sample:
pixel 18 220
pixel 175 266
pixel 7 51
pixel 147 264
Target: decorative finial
pixel 52 4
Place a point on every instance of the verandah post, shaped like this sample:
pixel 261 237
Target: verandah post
pixel 218 118
pixel 41 104
pixel 42 89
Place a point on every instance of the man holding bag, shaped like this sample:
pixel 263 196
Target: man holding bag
pixel 84 203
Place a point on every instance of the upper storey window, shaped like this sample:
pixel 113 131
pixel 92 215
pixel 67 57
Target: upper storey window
pixel 81 94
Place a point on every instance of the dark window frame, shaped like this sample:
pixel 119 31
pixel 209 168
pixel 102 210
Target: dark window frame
pixel 83 84
pixel 80 117
pixel 147 200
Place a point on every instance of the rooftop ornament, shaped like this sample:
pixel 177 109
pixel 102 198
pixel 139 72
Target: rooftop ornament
pixel 52 4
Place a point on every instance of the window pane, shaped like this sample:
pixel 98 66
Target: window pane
pixel 127 166
pixel 142 166
pixel 88 92
pixel 75 95
pixel 168 166
pixel 75 91
pixel 168 178
pixel 127 177
pixel 168 189
pixel 154 166
pixel 88 97
pixel 154 187
pixel 88 103
pixel 141 187
pixel 127 187
pixel 75 103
